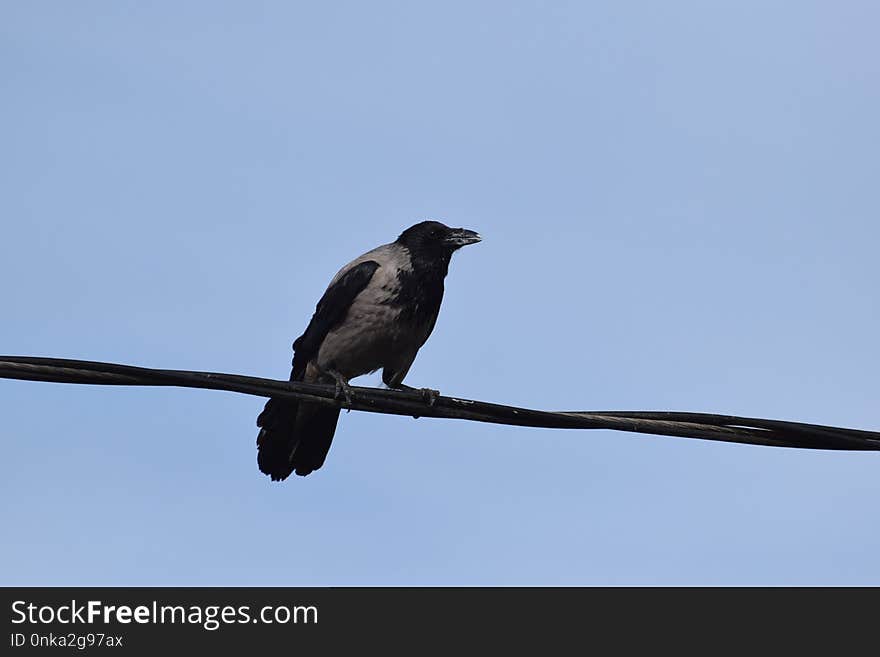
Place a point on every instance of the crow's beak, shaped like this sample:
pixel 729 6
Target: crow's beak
pixel 458 237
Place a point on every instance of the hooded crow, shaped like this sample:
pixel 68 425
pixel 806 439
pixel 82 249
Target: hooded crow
pixel 376 313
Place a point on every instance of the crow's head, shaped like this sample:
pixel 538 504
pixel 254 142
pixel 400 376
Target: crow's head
pixel 431 238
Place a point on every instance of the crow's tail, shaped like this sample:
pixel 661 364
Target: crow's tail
pixel 294 437
pixel 277 437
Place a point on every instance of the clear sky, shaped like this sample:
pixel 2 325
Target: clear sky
pixel 679 204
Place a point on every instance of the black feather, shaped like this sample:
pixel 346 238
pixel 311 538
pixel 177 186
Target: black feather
pixel 317 431
pixel 421 288
pixel 277 423
pixel 329 312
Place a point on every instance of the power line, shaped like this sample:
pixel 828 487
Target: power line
pixel 706 426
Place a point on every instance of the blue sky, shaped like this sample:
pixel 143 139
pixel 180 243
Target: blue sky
pixel 679 206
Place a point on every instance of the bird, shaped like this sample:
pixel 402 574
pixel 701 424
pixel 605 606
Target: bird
pixel 377 312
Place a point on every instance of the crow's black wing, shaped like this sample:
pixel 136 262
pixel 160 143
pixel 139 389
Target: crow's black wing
pixel 294 435
pixel 331 310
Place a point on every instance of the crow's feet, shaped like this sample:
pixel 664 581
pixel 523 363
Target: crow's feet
pixel 342 387
pixel 429 395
